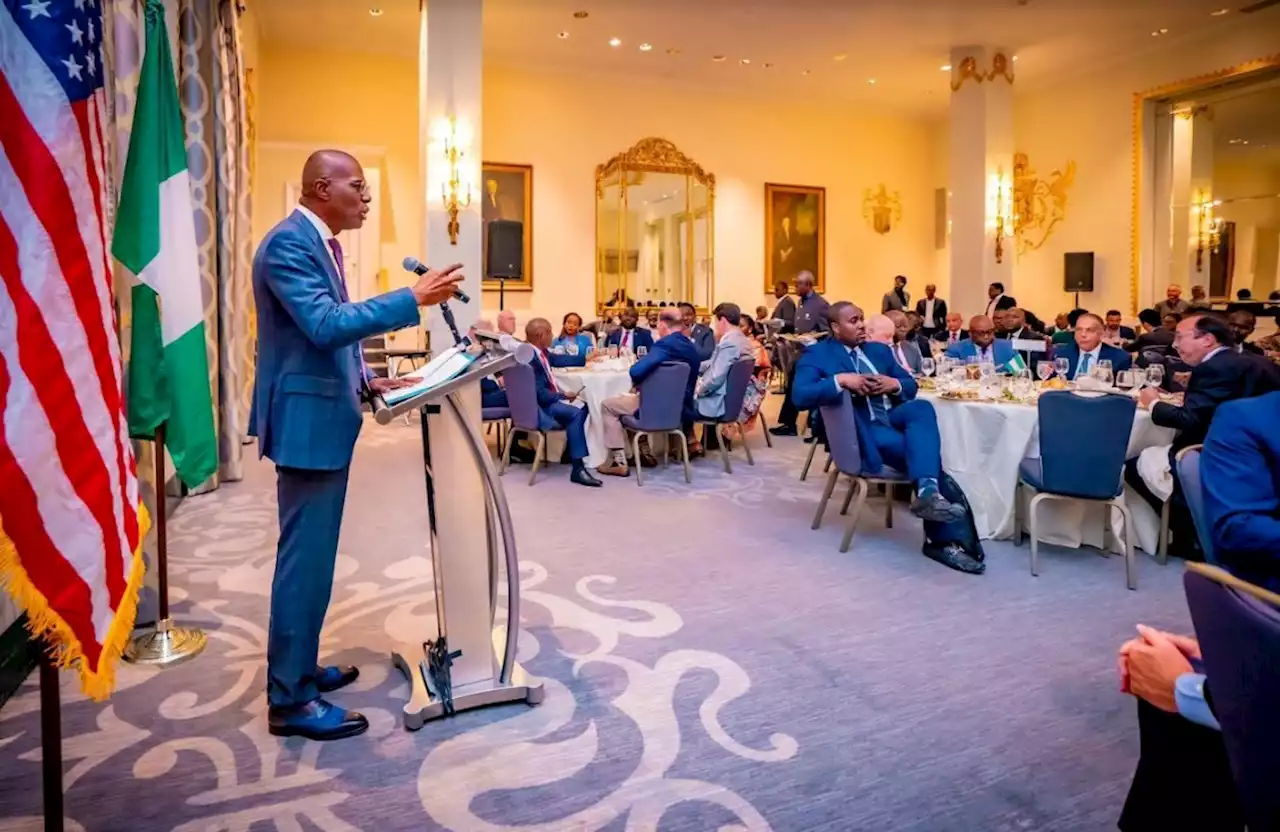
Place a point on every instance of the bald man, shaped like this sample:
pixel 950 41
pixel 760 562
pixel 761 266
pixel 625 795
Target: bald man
pixel 307 413
pixel 982 347
pixel 880 329
pixel 507 322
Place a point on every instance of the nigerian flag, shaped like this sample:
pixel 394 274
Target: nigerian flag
pixel 155 239
pixel 1016 364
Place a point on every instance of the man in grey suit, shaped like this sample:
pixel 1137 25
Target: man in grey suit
pixel 306 414
pixel 899 298
pixel 905 350
pixel 731 347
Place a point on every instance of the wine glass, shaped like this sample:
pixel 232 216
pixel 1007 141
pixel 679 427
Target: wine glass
pixel 1124 379
pixel 926 367
pixel 986 369
pixel 641 352
pixel 1155 375
pixel 1061 366
pixel 613 351
pixel 1102 372
pixel 1044 369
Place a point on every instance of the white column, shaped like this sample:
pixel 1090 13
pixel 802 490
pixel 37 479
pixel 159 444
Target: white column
pixel 981 156
pixel 449 112
pixel 1191 184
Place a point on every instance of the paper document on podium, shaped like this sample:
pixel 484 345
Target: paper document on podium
pixel 445 367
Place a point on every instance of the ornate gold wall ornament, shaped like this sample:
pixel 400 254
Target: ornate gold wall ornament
pixel 655 155
pixel 881 208
pixel 1038 204
pixel 1001 66
pixel 1188 113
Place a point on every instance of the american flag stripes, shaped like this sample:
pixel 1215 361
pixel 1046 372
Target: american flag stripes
pixel 70 521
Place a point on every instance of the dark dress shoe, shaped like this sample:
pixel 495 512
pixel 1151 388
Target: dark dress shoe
pixel 316 720
pixel 582 476
pixel 784 430
pixel 522 455
pixel 954 556
pixel 933 506
pixel 329 679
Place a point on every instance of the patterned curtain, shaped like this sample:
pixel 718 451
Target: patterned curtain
pixel 206 42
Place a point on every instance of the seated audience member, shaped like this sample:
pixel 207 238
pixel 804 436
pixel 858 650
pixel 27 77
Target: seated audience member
pixel 507 322
pixel 731 347
pixel 651 319
pixel 1018 329
pixel 899 430
pixel 1063 337
pixel 981 346
pixel 916 333
pixel 554 405
pixel 879 329
pixel 1242 323
pixel 1199 301
pixel 997 320
pixel 905 350
pixel 1116 334
pixel 1240 476
pixel 1154 334
pixel 569 349
pixel 491 392
pixel 1183 779
pixel 672 345
pixel 628 336
pixel 1060 324
pixel 954 331
pixel 1087 349
pixel 759 386
pixel 701 335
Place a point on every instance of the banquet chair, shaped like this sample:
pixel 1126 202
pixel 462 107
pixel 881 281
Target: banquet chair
pixel 1083 443
pixel 499 417
pixel 1238 627
pixel 736 390
pixel 661 411
pixel 1188 464
pixel 522 401
pixel 842 437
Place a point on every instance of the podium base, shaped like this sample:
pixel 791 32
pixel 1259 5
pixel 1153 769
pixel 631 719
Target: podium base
pixel 425 703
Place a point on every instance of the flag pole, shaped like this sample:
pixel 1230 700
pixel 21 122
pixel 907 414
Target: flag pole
pixel 51 743
pixel 166 644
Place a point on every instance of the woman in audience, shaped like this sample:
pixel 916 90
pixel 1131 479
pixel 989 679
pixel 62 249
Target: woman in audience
pixel 759 386
pixel 570 348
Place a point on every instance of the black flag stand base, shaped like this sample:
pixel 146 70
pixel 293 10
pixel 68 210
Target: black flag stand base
pixel 51 744
pixel 167 644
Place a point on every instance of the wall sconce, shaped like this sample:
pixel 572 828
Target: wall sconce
pixel 1208 229
pixel 455 194
pixel 1002 210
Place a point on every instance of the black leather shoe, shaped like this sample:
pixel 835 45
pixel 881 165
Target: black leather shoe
pixel 582 476
pixel 522 455
pixel 933 506
pixel 316 720
pixel 954 556
pixel 783 430
pixel 329 679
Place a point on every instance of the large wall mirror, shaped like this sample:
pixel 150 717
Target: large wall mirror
pixel 655 220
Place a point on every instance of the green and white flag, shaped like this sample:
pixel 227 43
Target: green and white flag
pixel 155 239
pixel 1016 364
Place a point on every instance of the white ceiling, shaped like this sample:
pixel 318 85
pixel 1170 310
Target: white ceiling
pixel 900 43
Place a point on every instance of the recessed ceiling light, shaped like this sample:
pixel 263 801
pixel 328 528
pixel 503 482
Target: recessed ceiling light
pixel 615 42
pixel 580 15
pixel 645 47
pixel 839 57
pixel 1220 12
pixel 673 51
pixel 563 35
pixel 375 12
pixel 717 58
pixel 945 67
pixel 745 61
pixel 871 81
pixel 1235 141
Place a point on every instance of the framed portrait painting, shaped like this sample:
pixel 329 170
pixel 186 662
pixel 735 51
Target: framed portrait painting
pixel 795 234
pixel 506 193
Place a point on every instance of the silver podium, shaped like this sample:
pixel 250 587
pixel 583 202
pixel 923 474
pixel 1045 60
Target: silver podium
pixel 432 694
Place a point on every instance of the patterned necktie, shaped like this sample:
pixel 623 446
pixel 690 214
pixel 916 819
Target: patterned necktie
pixel 336 248
pixel 546 365
pixel 877 406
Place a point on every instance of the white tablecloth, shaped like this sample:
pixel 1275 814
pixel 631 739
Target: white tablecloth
pixel 982 447
pixel 594 386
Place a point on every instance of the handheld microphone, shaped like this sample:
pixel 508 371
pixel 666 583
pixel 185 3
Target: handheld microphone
pixel 411 264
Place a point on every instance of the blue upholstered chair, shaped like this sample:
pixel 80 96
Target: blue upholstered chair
pixel 522 401
pixel 500 417
pixel 1083 443
pixel 1238 627
pixel 661 411
pixel 734 394
pixel 1188 462
pixel 842 435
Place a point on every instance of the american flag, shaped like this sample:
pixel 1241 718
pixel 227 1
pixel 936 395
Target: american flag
pixel 69 514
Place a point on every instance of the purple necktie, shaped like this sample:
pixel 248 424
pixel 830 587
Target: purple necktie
pixel 336 248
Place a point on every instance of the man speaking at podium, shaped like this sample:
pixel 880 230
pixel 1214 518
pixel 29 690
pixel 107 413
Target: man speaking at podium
pixel 306 414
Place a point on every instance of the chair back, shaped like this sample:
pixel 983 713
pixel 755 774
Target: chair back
pixel 1189 481
pixel 1083 443
pixel 1238 626
pixel 662 397
pixel 522 396
pixel 736 388
pixel 841 428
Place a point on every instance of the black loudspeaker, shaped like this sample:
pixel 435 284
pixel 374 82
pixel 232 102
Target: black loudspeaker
pixel 1078 272
pixel 504 253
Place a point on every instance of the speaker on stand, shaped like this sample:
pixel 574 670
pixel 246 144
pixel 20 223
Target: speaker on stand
pixel 1078 273
pixel 504 255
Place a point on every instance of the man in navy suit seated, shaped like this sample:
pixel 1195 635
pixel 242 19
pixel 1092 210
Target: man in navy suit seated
pixel 982 344
pixel 491 392
pixel 629 336
pixel 701 335
pixel 554 404
pixel 1084 353
pixel 894 428
pixel 310 379
pixel 673 344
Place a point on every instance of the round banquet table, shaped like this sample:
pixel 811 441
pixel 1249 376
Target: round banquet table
pixel 983 444
pixel 594 386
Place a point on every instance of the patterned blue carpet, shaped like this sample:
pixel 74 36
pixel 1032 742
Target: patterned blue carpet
pixel 710 664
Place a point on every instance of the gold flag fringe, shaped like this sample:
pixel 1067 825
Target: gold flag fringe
pixel 46 624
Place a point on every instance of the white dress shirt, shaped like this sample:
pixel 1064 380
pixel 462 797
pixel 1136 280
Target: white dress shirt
pixel 928 313
pixel 991 305
pixel 326 234
pixel 1093 362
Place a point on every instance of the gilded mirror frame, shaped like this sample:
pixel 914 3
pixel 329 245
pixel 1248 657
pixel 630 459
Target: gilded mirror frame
pixel 656 155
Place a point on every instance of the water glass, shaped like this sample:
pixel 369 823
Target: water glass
pixel 1023 385
pixel 641 352
pixel 613 351
pixel 1155 375
pixel 572 346
pixel 926 367
pixel 1044 369
pixel 1102 372
pixel 1061 366
pixel 986 370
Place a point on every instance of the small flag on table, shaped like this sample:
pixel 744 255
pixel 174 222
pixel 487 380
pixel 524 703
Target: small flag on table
pixel 1015 365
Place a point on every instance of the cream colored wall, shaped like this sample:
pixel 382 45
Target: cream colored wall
pixel 565 125
pixel 1089 119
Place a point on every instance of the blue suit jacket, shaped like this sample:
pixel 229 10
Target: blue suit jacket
pixel 640 337
pixel 675 347
pixel 966 349
pixel 704 340
pixel 1240 475
pixel 546 394
pixel 306 396
pixel 815 386
pixel 1120 360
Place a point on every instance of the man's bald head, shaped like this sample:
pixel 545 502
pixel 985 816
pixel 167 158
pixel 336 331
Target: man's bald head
pixel 538 333
pixel 982 331
pixel 334 189
pixel 507 322
pixel 880 329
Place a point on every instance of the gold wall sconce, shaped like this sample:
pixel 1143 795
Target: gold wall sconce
pixel 455 194
pixel 1001 210
pixel 1208 228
